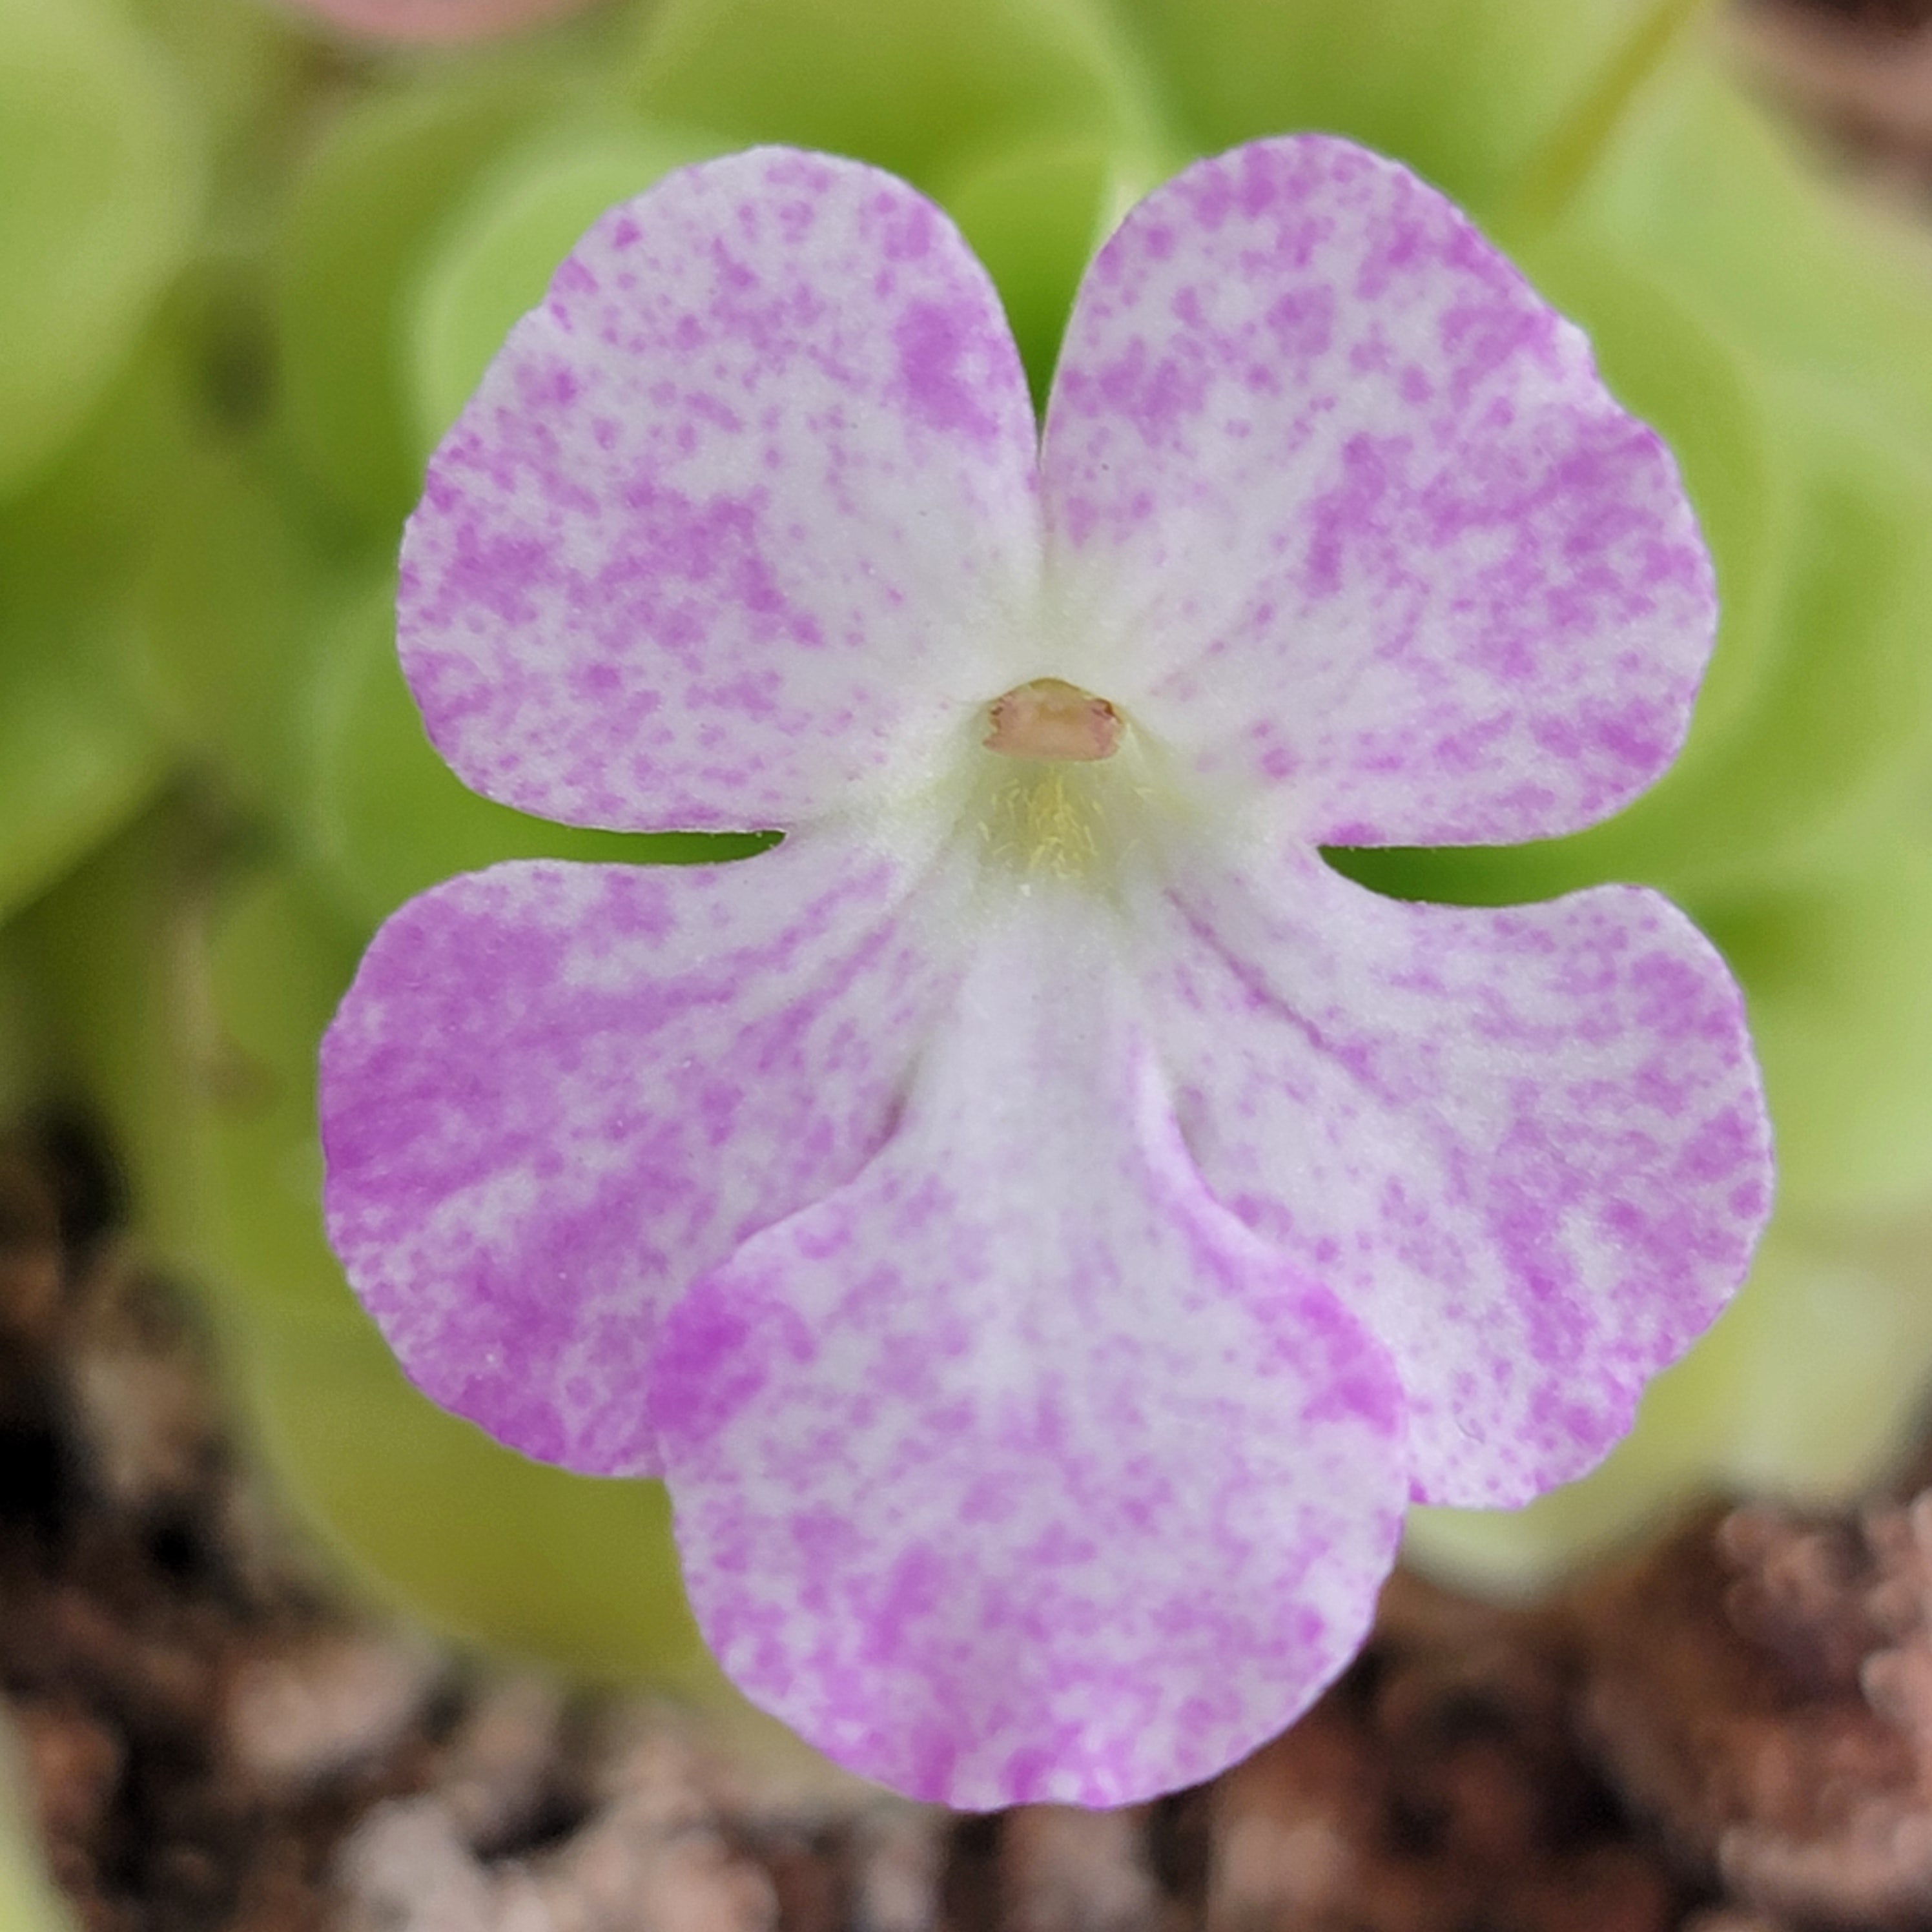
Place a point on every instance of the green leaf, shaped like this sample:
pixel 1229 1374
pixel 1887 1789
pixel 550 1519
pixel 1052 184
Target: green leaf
pixel 82 747
pixel 1465 92
pixel 22 1045
pixel 389 818
pixel 1815 1379
pixel 99 180
pixel 1834 969
pixel 225 605
pixel 1740 220
pixel 105 965
pixel 75 763
pixel 1827 753
pixel 276 958
pixel 919 90
pixel 1034 213
pixel 479 1542
pixel 245 72
pixel 363 213
pixel 495 252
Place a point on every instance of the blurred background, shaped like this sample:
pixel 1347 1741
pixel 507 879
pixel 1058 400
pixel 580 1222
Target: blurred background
pixel 253 256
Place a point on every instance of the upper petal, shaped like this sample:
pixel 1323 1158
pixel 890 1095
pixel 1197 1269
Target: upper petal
pixel 1018 1470
pixel 1339 506
pixel 739 519
pixel 556 1092
pixel 1527 1147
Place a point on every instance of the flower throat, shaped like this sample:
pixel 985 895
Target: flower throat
pixel 1043 814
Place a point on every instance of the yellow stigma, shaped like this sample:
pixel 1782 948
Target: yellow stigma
pixel 1055 721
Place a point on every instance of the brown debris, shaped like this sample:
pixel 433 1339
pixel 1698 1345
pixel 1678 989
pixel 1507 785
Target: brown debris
pixel 1762 1687
pixel 1439 1786
pixel 652 1853
pixel 131 1645
pixel 1873 1860
pixel 1857 73
pixel 302 1709
pixel 1067 1870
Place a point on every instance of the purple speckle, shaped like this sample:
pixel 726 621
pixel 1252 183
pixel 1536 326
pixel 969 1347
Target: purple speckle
pixel 938 349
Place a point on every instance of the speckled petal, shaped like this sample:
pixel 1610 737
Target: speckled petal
pixel 735 528
pixel 1527 1147
pixel 1018 1470
pixel 1339 508
pixel 556 1092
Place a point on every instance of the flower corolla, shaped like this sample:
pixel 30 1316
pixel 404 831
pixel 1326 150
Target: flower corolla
pixel 1043 1221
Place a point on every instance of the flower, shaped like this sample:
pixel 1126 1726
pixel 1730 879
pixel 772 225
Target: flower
pixel 1044 1223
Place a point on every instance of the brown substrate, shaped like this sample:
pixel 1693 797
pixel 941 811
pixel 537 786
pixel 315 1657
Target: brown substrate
pixel 1858 73
pixel 1733 1730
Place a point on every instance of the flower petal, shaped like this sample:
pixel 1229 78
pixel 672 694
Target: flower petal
pixel 1527 1146
pixel 1337 504
pixel 555 1092
pixel 1018 1470
pixel 736 526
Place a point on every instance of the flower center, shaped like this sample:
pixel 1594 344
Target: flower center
pixel 1044 808
pixel 1055 721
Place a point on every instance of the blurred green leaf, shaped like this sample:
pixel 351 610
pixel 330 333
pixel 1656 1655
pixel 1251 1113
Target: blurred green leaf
pixel 242 71
pixel 390 819
pixel 475 1539
pixel 1835 970
pixel 1741 221
pixel 76 759
pixel 99 180
pixel 918 90
pixel 1467 92
pixel 1827 753
pixel 364 213
pixel 1034 214
pixel 225 603
pixel 82 747
pixel 495 252
pixel 106 965
pixel 276 959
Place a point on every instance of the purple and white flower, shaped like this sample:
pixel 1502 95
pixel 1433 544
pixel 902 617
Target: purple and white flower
pixel 1044 1223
